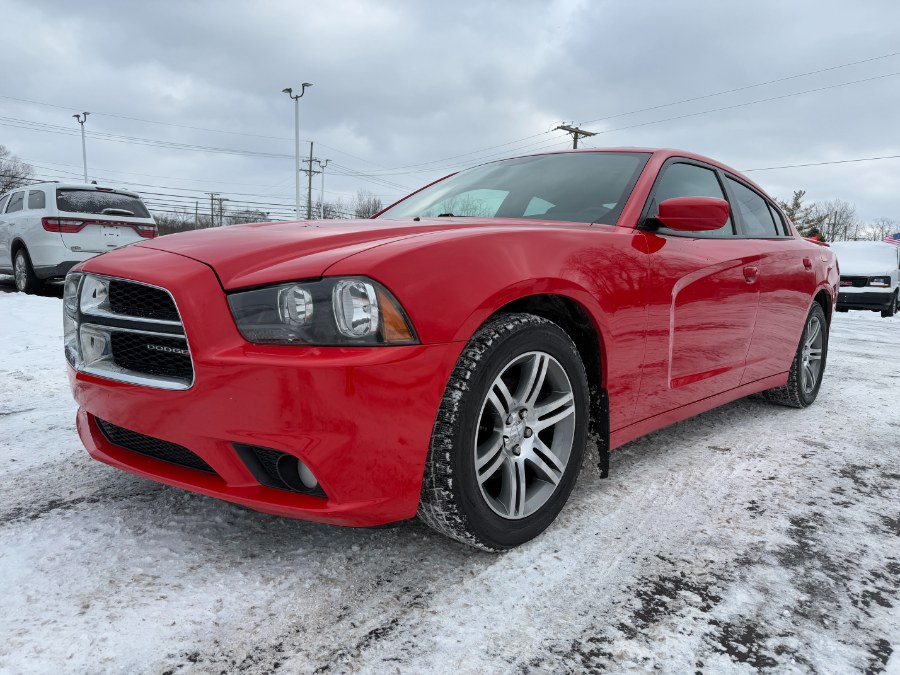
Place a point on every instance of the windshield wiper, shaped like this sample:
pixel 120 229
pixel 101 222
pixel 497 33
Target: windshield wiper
pixel 117 212
pixel 445 215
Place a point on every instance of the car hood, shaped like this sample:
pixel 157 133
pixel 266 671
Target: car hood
pixel 265 253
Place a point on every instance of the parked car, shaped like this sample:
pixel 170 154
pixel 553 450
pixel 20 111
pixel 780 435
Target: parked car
pixel 870 276
pixel 47 228
pixel 451 357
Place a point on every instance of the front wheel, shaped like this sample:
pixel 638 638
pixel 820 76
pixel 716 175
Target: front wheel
pixel 808 366
pixel 26 279
pixel 509 437
pixel 892 308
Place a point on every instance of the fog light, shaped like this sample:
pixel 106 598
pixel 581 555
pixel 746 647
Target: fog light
pixel 306 476
pixel 295 474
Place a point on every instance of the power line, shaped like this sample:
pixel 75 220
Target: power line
pixel 741 105
pixel 749 86
pixel 836 161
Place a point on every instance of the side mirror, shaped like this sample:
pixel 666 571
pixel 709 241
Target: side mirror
pixel 693 214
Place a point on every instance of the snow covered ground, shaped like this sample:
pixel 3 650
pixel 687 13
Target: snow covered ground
pixel 751 538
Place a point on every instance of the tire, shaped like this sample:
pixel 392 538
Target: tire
pixel 808 366
pixel 23 272
pixel 892 308
pixel 500 468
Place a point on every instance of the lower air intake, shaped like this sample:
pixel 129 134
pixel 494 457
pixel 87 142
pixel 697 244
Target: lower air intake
pixel 152 447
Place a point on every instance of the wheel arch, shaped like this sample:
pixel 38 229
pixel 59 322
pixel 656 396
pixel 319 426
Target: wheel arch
pixel 576 321
pixel 823 297
pixel 14 248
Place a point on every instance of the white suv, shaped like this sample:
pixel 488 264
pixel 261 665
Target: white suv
pixel 46 229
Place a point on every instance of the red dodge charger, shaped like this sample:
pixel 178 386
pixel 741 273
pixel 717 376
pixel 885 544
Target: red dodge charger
pixel 450 357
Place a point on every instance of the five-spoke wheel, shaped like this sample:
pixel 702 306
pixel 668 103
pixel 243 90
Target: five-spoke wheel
pixel 510 434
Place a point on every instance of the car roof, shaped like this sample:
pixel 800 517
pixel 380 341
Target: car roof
pixel 74 186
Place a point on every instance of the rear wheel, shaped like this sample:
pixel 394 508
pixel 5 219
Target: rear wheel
pixel 808 367
pixel 26 280
pixel 510 435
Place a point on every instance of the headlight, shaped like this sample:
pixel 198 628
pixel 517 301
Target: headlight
pixel 351 311
pixel 881 282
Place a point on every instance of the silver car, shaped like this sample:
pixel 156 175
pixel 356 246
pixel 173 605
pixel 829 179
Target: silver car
pixel 47 228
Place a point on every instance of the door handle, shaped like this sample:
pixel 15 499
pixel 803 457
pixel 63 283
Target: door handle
pixel 807 263
pixel 750 272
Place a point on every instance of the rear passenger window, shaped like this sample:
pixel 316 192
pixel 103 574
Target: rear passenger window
pixel 36 199
pixel 16 202
pixel 754 211
pixel 780 225
pixel 690 180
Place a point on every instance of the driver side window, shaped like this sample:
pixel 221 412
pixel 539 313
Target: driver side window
pixel 690 180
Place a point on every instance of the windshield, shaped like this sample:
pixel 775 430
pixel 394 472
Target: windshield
pixel 97 202
pixel 583 187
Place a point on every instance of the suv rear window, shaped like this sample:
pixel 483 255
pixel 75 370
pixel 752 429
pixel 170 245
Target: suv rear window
pixel 94 201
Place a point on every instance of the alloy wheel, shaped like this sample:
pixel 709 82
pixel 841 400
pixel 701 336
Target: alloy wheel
pixel 526 431
pixel 21 272
pixel 811 355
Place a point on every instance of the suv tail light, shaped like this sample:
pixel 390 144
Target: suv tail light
pixel 67 225
pixel 72 225
pixel 146 231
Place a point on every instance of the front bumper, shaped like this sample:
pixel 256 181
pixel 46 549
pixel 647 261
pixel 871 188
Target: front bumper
pixel 360 418
pixel 872 300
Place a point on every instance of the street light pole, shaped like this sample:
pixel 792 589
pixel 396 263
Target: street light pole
pixel 319 162
pixel 82 118
pixel 290 92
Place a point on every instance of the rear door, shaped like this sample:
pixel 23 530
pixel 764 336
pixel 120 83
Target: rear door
pixel 787 281
pixel 95 220
pixel 703 294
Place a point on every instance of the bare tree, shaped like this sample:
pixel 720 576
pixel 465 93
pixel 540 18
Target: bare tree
pixel 180 220
pixel 13 171
pixel 838 220
pixel 879 229
pixel 366 204
pixel 333 210
pixel 247 216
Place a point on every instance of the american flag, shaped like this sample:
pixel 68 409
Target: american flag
pixel 892 239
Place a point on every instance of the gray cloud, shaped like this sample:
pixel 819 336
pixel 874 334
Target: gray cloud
pixel 406 83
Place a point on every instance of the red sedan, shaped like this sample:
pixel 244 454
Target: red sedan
pixel 449 358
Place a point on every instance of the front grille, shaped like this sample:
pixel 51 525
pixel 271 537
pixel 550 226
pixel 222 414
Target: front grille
pixel 152 355
pixel 141 301
pixel 131 332
pixel 152 447
pixel 855 282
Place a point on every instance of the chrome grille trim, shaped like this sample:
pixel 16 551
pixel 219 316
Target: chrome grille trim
pixel 104 324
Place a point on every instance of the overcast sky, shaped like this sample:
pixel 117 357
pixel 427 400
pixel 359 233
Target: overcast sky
pixel 407 91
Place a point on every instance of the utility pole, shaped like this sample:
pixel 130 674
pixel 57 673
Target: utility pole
pixel 310 173
pixel 196 213
pixel 82 118
pixel 212 208
pixel 309 185
pixel 319 162
pixel 221 201
pixel 576 133
pixel 297 98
